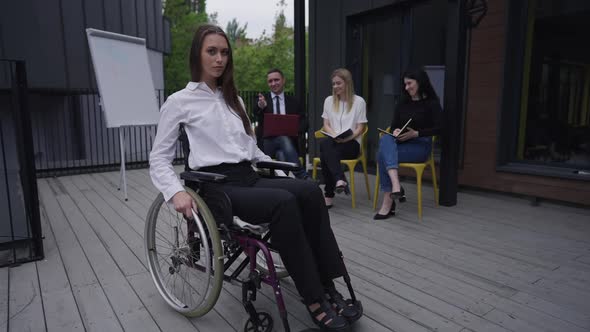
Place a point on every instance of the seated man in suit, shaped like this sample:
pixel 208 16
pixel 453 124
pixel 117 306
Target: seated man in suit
pixel 283 148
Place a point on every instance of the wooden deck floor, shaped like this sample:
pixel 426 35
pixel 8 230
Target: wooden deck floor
pixel 491 263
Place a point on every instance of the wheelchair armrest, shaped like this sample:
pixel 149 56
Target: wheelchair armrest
pixel 282 165
pixel 197 176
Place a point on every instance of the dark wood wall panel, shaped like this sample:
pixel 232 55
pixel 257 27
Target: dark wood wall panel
pixel 112 9
pixel 129 17
pixel 50 36
pixel 486 70
pixel 75 36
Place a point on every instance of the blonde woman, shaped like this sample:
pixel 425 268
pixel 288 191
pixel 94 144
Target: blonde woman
pixel 343 111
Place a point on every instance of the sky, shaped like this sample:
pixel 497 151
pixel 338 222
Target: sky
pixel 259 14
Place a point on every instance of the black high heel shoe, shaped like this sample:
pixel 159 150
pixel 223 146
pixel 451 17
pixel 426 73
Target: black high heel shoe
pixel 391 213
pixel 399 195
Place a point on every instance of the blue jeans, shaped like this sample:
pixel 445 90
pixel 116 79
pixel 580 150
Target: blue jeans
pixel 282 149
pixel 391 153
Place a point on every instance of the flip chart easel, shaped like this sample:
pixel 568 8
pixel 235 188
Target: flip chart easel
pixel 125 83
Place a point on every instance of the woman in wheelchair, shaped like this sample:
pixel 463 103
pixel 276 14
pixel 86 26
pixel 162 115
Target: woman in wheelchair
pixel 222 141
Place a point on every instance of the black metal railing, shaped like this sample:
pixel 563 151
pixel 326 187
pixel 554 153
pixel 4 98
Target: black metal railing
pixel 20 226
pixel 70 135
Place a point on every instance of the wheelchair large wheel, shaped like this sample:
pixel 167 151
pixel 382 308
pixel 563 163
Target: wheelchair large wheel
pixel 185 256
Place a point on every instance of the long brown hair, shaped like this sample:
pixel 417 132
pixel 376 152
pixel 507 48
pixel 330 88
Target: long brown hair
pixel 226 80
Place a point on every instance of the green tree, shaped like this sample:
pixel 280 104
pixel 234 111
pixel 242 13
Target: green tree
pixel 183 23
pixel 253 60
pixel 235 32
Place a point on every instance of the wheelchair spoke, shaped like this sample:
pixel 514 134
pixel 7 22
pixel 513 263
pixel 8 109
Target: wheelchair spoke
pixel 178 271
pixel 182 256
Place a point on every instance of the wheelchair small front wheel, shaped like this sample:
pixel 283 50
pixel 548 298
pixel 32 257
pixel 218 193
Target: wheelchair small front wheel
pixel 262 323
pixel 185 257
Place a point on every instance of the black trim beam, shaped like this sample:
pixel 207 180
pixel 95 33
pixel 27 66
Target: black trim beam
pixel 453 101
pixel 299 47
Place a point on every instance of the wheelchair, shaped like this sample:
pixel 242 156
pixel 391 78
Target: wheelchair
pixel 189 258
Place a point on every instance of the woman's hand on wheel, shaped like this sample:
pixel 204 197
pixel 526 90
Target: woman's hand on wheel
pixel 183 203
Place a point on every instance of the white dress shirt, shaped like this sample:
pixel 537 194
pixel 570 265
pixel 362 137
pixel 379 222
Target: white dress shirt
pixel 215 133
pixel 281 102
pixel 342 120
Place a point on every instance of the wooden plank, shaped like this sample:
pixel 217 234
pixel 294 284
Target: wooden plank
pixel 523 321
pixel 448 256
pixel 127 306
pixel 403 306
pixel 107 182
pixel 376 316
pixel 61 310
pixel 4 298
pixel 420 299
pixel 131 211
pixel 122 243
pixel 141 184
pixel 25 307
pixel 94 308
pixel 552 313
pixel 487 270
pixel 139 193
pixel 379 263
pixel 512 322
pixel 426 262
pixel 534 316
pixel 128 228
pixel 503 239
pixel 578 317
pixel 166 318
pixel 399 267
pixel 584 259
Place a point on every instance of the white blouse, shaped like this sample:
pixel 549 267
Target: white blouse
pixel 343 120
pixel 215 132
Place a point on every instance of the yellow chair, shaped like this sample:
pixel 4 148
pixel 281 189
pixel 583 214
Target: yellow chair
pixel 350 163
pixel 419 169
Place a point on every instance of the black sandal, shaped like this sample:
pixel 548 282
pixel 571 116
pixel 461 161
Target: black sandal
pixel 331 320
pixel 344 308
pixel 342 189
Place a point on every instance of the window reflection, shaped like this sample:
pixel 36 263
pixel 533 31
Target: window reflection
pixel 554 123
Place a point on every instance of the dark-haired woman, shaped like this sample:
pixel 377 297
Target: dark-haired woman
pixel 222 141
pixel 419 103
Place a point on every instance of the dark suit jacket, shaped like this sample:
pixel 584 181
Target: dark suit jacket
pixel 292 106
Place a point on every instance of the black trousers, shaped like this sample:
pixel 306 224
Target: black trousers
pixel 330 154
pixel 299 225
